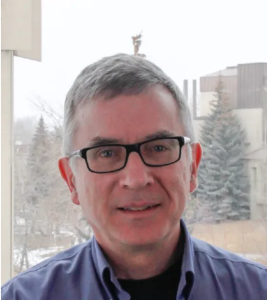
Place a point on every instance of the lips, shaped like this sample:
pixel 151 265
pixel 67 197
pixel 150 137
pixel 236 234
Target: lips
pixel 135 207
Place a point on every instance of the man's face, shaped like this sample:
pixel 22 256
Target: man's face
pixel 129 119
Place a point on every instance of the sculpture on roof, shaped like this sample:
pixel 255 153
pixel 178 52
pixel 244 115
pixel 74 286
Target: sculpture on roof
pixel 137 41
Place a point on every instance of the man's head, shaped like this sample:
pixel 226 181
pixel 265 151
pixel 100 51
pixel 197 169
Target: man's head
pixel 126 100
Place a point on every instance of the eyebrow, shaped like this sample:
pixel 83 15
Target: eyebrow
pixel 100 141
pixel 160 134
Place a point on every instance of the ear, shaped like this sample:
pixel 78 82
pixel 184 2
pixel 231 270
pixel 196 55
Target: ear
pixel 68 176
pixel 196 158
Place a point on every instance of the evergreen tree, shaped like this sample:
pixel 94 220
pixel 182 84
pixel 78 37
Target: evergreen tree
pixel 223 182
pixel 38 162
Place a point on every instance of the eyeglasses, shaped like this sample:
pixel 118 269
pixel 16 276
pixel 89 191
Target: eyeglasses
pixel 110 158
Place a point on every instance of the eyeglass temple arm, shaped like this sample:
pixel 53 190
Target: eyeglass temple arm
pixel 76 153
pixel 187 140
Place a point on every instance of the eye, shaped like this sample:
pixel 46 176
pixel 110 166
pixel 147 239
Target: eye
pixel 159 148
pixel 106 153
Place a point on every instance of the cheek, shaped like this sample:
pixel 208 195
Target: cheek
pixel 85 190
pixel 177 184
pixel 93 193
pixel 186 180
pixel 179 177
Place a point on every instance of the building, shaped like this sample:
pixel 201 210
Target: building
pixel 246 86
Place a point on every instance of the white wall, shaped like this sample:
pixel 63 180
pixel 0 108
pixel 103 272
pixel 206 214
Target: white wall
pixel 197 124
pixel 21 28
pixel 205 99
pixel 6 164
pixel 252 122
pixel 258 196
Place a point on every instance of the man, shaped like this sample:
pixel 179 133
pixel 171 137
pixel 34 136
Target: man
pixel 131 161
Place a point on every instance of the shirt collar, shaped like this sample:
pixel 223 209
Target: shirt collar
pixel 187 272
pixel 102 265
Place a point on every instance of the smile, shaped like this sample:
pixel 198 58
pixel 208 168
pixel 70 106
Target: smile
pixel 141 208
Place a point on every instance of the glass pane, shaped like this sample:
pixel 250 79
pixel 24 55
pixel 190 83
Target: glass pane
pixel 160 152
pixel 106 158
pixel 229 209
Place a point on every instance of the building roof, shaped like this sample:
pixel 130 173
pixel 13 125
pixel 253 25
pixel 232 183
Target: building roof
pixel 229 71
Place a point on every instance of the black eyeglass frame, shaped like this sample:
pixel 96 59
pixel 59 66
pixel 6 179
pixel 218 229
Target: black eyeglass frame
pixel 129 149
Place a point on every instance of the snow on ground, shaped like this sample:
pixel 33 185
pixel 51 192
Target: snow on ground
pixel 38 255
pixel 20 221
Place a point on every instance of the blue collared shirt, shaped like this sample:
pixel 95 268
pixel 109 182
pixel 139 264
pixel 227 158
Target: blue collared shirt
pixel 83 273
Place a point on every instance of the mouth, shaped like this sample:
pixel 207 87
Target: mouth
pixel 139 209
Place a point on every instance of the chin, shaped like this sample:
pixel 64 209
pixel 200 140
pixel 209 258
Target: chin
pixel 141 244
pixel 141 239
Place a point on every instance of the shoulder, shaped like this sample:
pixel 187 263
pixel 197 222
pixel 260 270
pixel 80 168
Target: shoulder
pixel 225 275
pixel 228 268
pixel 42 275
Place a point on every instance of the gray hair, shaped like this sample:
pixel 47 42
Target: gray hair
pixel 121 74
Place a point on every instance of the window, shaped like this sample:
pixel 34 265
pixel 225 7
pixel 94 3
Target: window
pixel 45 221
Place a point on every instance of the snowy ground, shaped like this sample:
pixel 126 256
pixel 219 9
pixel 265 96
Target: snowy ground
pixel 38 255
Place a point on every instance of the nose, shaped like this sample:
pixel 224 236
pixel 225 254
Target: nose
pixel 136 175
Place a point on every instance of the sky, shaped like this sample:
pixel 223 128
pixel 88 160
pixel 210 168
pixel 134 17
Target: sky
pixel 187 39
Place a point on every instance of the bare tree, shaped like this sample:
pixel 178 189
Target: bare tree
pixel 24 129
pixel 44 214
pixel 42 106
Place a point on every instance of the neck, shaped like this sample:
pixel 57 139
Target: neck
pixel 143 261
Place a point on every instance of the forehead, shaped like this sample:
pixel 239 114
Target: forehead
pixel 128 118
